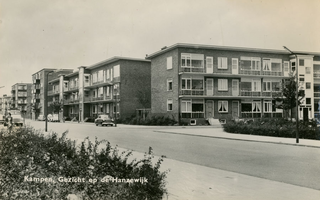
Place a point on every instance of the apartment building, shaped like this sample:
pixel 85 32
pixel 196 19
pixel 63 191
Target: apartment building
pixel 190 81
pixel 116 86
pixel 39 89
pixel 5 104
pixel 21 98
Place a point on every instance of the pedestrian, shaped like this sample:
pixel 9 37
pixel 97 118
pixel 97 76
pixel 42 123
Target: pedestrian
pixel 9 122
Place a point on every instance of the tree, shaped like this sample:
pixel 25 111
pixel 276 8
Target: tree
pixel 287 96
pixel 56 106
pixel 143 99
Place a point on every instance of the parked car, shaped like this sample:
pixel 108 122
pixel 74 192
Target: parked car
pixel 53 118
pixel 17 120
pixel 104 120
pixel 41 118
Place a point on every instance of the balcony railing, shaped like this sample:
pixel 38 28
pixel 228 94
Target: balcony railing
pixel 270 73
pixel 101 98
pixel 97 82
pixel 249 72
pixel 192 92
pixel 192 69
pixel 73 87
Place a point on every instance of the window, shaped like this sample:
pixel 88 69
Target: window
pixel 185 60
pixel 234 63
pixel 100 75
pixel 301 62
pixel 275 86
pixel 223 106
pixel 197 105
pixel 86 79
pixel 169 104
pixel 266 64
pixel 256 106
pixel 116 71
pixel 169 62
pixel 223 84
pixel 267 106
pixel 267 86
pixel 186 84
pixel 100 92
pixel 256 85
pixel 209 63
pixel 250 63
pixel 94 77
pixel 108 74
pixel 222 63
pixel 108 89
pixel 192 60
pixel 169 84
pixel 308 70
pixel 308 85
pixel 308 101
pixel 286 66
pixel 197 84
pixel 186 106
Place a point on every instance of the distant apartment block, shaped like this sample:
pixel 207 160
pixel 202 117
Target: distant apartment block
pixel 21 98
pixel 190 81
pixel 117 86
pixel 5 104
pixel 39 89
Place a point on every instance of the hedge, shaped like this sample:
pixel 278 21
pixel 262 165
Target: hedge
pixel 28 154
pixel 277 127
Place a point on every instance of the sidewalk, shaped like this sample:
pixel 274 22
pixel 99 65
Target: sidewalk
pixel 219 133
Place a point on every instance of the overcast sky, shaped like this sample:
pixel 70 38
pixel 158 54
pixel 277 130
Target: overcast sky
pixel 36 34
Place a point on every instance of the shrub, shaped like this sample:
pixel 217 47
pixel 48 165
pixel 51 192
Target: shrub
pixel 150 121
pixel 29 153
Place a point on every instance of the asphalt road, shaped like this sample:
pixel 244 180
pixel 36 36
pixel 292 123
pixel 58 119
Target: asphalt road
pixel 284 163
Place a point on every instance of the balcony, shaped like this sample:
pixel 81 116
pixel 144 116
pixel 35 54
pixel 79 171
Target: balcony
pixel 53 92
pixel 73 87
pixel 192 69
pixel 192 92
pixel 270 73
pixel 249 72
pixel 22 95
pixel 101 98
pixel 22 102
pixel 97 82
pixel 245 93
pixel 70 101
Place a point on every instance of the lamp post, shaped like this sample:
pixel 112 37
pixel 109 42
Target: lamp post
pixel 46 102
pixel 297 92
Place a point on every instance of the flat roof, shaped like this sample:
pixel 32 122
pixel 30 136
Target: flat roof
pixel 114 59
pixel 230 48
pixel 51 69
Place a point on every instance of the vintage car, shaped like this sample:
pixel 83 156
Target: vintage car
pixel 104 120
pixel 41 118
pixel 17 120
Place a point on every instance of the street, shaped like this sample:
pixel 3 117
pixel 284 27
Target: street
pixel 294 165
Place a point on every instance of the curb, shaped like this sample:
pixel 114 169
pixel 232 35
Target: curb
pixel 239 139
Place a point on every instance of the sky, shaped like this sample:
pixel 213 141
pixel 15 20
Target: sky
pixel 37 34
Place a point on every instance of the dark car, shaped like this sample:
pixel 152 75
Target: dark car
pixel 104 120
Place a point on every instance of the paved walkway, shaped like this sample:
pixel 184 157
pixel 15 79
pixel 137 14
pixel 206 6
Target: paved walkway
pixel 189 181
